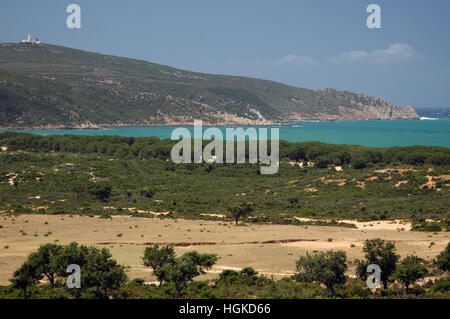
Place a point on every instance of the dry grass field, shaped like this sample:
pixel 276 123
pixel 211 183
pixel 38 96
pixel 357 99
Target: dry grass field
pixel 270 249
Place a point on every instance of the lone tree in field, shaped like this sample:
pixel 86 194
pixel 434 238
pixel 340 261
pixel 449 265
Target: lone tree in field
pixel 184 269
pixel 411 269
pixel 381 253
pixel 328 268
pixel 156 257
pixel 240 210
pixel 443 259
pixel 27 275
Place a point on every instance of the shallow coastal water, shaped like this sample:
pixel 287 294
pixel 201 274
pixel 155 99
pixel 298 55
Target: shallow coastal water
pixel 434 132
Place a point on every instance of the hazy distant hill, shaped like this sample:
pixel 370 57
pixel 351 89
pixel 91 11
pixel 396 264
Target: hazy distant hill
pixel 46 85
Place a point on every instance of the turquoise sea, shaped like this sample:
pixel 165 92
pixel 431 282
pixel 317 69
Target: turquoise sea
pixel 434 132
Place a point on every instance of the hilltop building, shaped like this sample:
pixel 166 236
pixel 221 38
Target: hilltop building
pixel 30 40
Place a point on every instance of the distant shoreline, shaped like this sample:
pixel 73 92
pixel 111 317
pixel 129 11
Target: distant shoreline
pixel 373 133
pixel 100 127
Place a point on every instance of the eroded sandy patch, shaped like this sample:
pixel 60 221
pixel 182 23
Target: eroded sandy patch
pixel 320 245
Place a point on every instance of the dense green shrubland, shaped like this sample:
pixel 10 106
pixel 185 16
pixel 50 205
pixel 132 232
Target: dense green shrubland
pixel 152 147
pixel 83 174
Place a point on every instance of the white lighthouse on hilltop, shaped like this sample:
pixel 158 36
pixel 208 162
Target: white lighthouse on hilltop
pixel 30 40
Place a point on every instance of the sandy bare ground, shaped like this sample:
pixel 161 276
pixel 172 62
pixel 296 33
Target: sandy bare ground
pixel 395 225
pixel 270 249
pixel 431 183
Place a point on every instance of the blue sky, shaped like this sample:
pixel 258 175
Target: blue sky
pixel 312 44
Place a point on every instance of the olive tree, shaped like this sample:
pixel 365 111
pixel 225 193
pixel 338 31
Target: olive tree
pixel 68 255
pixel 103 272
pixel 379 252
pixel 443 259
pixel 27 275
pixel 44 260
pixel 411 269
pixel 156 257
pixel 98 269
pixel 325 267
pixel 240 210
pixel 184 269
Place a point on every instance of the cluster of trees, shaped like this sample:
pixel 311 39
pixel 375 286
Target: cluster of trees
pixel 321 154
pixel 421 224
pixel 179 271
pixel 100 271
pixel 101 276
pixel 117 146
pixel 360 157
pixel 329 267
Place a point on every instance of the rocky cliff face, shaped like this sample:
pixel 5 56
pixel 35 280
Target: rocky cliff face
pixel 364 107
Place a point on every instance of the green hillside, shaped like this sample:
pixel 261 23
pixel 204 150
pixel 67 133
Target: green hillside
pixel 57 86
